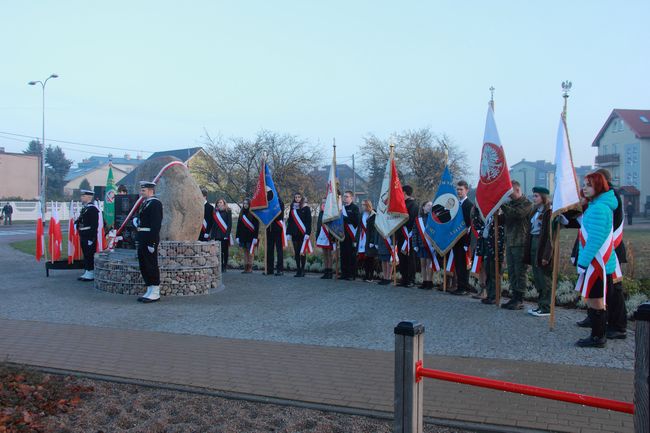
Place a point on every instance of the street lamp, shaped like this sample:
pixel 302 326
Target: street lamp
pixel 43 83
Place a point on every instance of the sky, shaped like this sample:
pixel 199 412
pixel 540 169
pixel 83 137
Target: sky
pixel 154 75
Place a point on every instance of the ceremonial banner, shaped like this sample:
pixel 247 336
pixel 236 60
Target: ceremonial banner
pixel 566 193
pixel 391 207
pixel 265 204
pixel 332 215
pixel 109 199
pixel 445 225
pixel 494 184
pixel 72 244
pixel 54 232
pixel 40 235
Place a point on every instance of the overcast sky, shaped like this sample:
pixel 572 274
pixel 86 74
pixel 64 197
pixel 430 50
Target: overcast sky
pixel 151 75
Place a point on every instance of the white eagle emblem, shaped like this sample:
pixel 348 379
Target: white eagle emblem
pixel 491 162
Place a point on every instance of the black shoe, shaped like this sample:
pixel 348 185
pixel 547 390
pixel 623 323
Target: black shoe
pixel 426 285
pixel 586 323
pixel 327 276
pixel 297 274
pixel 513 305
pixel 383 282
pixel 616 335
pixel 459 292
pixel 488 301
pixel 279 274
pixel 406 284
pixel 592 341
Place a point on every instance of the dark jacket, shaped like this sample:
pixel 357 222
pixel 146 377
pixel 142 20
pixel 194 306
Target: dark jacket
pixel 217 233
pixel 243 233
pixel 352 217
pixel 208 222
pixel 467 207
pixel 274 227
pixel 150 218
pixel 545 249
pixel 486 246
pixel 304 213
pixel 618 220
pixel 88 221
pixel 413 210
pixel 371 237
pixel 516 221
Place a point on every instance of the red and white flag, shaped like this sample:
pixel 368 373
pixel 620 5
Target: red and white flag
pixel 391 207
pixel 40 235
pixel 306 247
pixel 72 244
pixel 494 184
pixel 54 232
pixel 566 194
pixel 101 235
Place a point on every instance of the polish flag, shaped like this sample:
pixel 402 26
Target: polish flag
pixel 40 235
pixel 101 235
pixel 71 235
pixel 54 233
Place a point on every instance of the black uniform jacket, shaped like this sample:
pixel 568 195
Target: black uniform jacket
pixel 88 221
pixel 150 218
pixel 217 233
pixel 243 233
pixel 304 213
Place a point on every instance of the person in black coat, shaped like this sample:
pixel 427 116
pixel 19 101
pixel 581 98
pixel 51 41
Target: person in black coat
pixel 148 223
pixel 407 255
pixel 208 220
pixel 246 234
pixel 348 245
pixel 87 226
pixel 222 229
pixel 366 246
pixel 299 229
pixel 274 242
pixel 463 244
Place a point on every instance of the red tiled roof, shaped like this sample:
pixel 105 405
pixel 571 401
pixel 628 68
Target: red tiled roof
pixel 629 190
pixel 632 119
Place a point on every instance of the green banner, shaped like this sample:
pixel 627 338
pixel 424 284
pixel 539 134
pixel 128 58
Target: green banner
pixel 109 199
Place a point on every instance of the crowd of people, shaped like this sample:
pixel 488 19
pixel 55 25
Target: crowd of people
pixel 523 240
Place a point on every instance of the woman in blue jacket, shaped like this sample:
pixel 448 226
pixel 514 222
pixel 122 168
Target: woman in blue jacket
pixel 596 246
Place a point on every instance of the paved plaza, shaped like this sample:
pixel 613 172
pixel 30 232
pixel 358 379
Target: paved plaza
pixel 310 340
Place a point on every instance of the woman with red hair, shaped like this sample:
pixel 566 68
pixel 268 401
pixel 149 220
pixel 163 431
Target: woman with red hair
pixel 596 260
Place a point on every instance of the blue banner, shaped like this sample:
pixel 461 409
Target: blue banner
pixel 445 225
pixel 268 214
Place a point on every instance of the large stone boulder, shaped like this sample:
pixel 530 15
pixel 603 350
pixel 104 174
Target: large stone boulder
pixel 180 195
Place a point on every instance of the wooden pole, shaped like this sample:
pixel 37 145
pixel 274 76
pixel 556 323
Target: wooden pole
pixel 444 273
pixel 497 275
pixel 642 369
pixel 393 269
pixel 338 259
pixel 266 252
pixel 556 267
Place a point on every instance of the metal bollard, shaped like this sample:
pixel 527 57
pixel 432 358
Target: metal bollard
pixel 642 370
pixel 409 349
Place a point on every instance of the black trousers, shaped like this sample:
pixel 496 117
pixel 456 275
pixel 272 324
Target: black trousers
pixel 274 251
pixel 369 267
pixel 616 311
pixel 462 274
pixel 148 262
pixel 300 260
pixel 89 252
pixel 407 265
pixel 348 258
pixel 225 245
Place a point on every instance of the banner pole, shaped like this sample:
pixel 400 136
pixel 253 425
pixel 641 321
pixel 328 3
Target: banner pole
pixel 497 276
pixel 556 266
pixel 444 273
pixel 266 251
pixel 393 270
pixel 338 259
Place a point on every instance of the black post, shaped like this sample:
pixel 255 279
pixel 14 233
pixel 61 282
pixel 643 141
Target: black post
pixel 642 369
pixel 409 349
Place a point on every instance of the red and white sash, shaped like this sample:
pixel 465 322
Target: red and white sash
pixel 393 250
pixel 251 250
pixel 283 233
pixel 420 225
pixel 349 228
pixel 220 222
pixel 306 247
pixel 476 264
pixel 617 238
pixel 597 267
pixel 362 236
pixel 248 223
pixel 324 241
pixel 296 219
pixel 451 265
pixel 406 245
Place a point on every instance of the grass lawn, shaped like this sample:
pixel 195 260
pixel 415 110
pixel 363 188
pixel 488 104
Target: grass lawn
pixel 29 246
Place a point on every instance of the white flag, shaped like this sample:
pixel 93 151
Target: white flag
pixel 565 194
pixel 332 210
pixel 388 222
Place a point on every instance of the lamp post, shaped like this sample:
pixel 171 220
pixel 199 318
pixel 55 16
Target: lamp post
pixel 43 83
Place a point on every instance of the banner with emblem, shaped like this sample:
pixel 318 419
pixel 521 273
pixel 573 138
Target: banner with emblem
pixel 391 207
pixel 445 224
pixel 109 199
pixel 494 186
pixel 265 204
pixel 332 214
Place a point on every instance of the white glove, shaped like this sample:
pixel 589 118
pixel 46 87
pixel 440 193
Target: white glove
pixel 151 249
pixel 288 237
pixel 306 236
pixel 136 222
pixel 206 235
pixel 581 270
pixel 237 240
pixel 415 249
pixel 371 245
pixel 563 220
pixel 90 243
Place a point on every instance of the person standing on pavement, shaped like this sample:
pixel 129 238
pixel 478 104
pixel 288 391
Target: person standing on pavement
pixel 246 234
pixel 148 223
pixel 348 245
pixel 275 243
pixel 366 247
pixel 421 247
pixel 8 212
pixel 208 220
pixel 462 245
pixel 516 224
pixel 299 229
pixel 538 251
pixel 407 255
pixel 222 229
pixel 489 254
pixel 87 223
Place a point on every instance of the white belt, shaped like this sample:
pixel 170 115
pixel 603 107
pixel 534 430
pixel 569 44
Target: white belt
pixel 144 229
pixel 84 228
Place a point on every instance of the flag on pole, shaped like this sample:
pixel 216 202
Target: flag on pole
pixel 332 214
pixel 109 198
pixel 494 184
pixel 40 235
pixel 72 244
pixel 54 232
pixel 566 192
pixel 101 243
pixel 446 225
pixel 265 204
pixel 391 207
